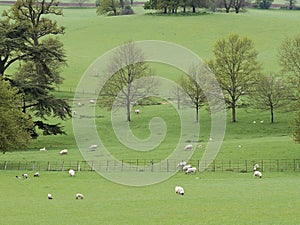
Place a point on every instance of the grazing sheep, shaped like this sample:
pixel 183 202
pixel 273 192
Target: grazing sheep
pixel 181 164
pixel 79 196
pixel 72 173
pixel 25 175
pixel 36 174
pixel 63 152
pixel 257 174
pixel 43 149
pixel 17 177
pixel 254 121
pixel 92 101
pixel 191 170
pixel 185 168
pixel 255 167
pixel 50 196
pixel 137 111
pixel 179 190
pixel 261 121
pixel 188 147
pixel 93 147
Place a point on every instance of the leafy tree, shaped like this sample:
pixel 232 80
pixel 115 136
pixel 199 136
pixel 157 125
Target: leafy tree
pixel 235 67
pixel 228 4
pixel 264 4
pixel 125 86
pixel 15 126
pixel 291 4
pixel 270 93
pixel 191 86
pixel 238 4
pixel 41 60
pixel 108 6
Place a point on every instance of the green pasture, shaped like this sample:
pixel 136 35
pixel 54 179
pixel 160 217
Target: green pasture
pixel 210 198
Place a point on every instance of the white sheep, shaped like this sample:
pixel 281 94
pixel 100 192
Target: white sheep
pixel 137 111
pixel 257 174
pixel 255 167
pixel 181 164
pixel 191 170
pixel 72 173
pixel 63 152
pixel 188 147
pixel 36 174
pixel 79 196
pixel 43 149
pixel 179 190
pixel 92 101
pixel 25 175
pixel 185 168
pixel 93 147
pixel 50 196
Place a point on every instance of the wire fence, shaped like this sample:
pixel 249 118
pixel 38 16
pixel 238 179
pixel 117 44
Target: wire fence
pixel 144 165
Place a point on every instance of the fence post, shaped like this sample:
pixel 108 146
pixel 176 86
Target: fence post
pixel 63 166
pixel 137 165
pixel 78 166
pixel 48 166
pixel 246 166
pixel 5 165
pixel 92 166
pixel 167 165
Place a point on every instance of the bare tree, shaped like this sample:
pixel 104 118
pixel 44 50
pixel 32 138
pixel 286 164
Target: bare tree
pixel 126 86
pixel 270 93
pixel 191 85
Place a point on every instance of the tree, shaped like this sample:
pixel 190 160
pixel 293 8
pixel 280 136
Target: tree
pixel 108 6
pixel 41 60
pixel 238 4
pixel 270 93
pixel 235 67
pixel 15 126
pixel 264 4
pixel 191 86
pixel 291 4
pixel 228 4
pixel 125 86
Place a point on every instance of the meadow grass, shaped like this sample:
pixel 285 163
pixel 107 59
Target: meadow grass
pixel 210 198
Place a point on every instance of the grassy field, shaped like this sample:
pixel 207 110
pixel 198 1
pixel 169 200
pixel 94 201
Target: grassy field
pixel 211 198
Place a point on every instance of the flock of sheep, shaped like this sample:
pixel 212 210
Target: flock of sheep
pixel 50 197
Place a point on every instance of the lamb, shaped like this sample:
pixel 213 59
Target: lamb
pixel 185 168
pixel 137 111
pixel 191 170
pixel 63 152
pixel 43 149
pixel 255 167
pixel 257 174
pixel 50 196
pixel 72 173
pixel 188 147
pixel 25 175
pixel 181 164
pixel 93 147
pixel 36 174
pixel 79 196
pixel 179 190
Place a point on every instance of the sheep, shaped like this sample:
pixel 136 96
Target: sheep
pixel 191 170
pixel 188 147
pixel 72 173
pixel 43 149
pixel 184 168
pixel 137 111
pixel 254 121
pixel 92 101
pixel 257 174
pixel 179 190
pixel 79 196
pixel 25 175
pixel 255 167
pixel 93 147
pixel 36 174
pixel 50 196
pixel 261 121
pixel 63 152
pixel 181 164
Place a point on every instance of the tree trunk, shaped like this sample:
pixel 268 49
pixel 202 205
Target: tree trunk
pixel 197 113
pixel 272 114
pixel 194 9
pixel 233 115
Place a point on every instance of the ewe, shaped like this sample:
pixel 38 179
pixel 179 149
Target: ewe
pixel 181 164
pixel 255 167
pixel 25 175
pixel 185 168
pixel 36 174
pixel 179 190
pixel 50 196
pixel 188 147
pixel 79 196
pixel 137 111
pixel 93 147
pixel 63 152
pixel 257 174
pixel 191 170
pixel 43 149
pixel 72 173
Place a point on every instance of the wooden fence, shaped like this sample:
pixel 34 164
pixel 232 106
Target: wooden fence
pixel 141 165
